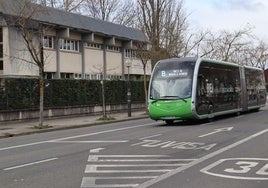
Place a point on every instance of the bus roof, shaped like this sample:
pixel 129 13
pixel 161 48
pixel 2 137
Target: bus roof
pixel 201 59
pixel 179 59
pixel 255 68
pixel 218 62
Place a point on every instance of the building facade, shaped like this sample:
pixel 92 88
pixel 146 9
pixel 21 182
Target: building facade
pixel 74 46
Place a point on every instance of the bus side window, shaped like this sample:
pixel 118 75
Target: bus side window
pixel 201 91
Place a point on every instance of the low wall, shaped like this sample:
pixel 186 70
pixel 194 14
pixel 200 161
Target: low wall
pixel 67 111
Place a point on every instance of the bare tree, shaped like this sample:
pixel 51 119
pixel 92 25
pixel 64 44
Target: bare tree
pixel 72 5
pixel 229 43
pixel 50 3
pixel 206 46
pixel 100 71
pixel 32 34
pixel 145 56
pixel 102 9
pixel 42 2
pixel 66 5
pixel 125 14
pixel 192 43
pixel 225 45
pixel 256 54
pixel 165 24
pixel 261 54
pixel 175 28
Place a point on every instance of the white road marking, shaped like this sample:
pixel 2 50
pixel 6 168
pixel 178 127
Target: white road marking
pixel 150 136
pixel 202 159
pixel 138 160
pixel 102 132
pixel 209 167
pixel 72 137
pixel 23 145
pixel 96 150
pixel 124 156
pixel 93 169
pixel 217 131
pixel 122 177
pixel 30 164
pixel 175 145
pixel 107 158
pixel 89 141
pixel 90 183
pixel 137 165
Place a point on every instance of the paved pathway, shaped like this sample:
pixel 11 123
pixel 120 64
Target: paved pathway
pixel 14 128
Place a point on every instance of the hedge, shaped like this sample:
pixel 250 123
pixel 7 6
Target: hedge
pixel 24 93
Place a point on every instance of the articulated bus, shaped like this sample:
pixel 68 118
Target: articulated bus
pixel 198 88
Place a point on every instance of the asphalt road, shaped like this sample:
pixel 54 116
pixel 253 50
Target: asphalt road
pixel 228 152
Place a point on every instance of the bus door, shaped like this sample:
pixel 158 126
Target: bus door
pixel 244 94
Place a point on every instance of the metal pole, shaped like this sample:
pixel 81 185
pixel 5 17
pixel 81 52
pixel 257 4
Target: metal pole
pixel 128 94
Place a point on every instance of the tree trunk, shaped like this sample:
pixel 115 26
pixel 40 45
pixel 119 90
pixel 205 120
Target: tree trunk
pixel 145 88
pixel 41 97
pixel 41 77
pixel 103 98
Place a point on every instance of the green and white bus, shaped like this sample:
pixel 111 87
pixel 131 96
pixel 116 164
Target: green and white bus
pixel 198 88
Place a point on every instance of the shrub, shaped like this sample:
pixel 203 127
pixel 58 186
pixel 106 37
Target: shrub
pixel 24 93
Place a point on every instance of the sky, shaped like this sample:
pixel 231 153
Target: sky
pixel 230 15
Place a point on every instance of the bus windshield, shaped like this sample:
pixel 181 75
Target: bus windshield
pixel 172 80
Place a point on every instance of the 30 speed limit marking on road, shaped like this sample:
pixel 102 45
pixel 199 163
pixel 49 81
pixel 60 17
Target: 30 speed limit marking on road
pixel 239 168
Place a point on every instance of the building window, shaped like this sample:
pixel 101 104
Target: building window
pixel 113 48
pixel 94 45
pixel 1 65
pixel 49 75
pixel 48 42
pixel 77 76
pixel 69 45
pixel 91 76
pixel 130 53
pixel 67 75
pixel 114 77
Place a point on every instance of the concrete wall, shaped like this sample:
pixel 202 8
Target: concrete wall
pixel 68 111
pixel 17 56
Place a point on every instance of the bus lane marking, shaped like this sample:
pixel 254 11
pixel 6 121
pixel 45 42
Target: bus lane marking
pixel 239 168
pixel 202 159
pixel 96 150
pixel 217 131
pixel 174 144
pixel 127 170
pixel 150 136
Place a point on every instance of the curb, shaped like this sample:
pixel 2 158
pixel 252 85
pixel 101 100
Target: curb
pixel 100 122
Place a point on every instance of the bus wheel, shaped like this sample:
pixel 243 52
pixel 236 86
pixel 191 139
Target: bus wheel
pixel 210 113
pixel 256 110
pixel 169 122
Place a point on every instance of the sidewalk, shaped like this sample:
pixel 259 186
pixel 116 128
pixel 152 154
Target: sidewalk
pixel 15 128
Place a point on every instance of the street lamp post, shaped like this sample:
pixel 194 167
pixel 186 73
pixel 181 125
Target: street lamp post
pixel 128 64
